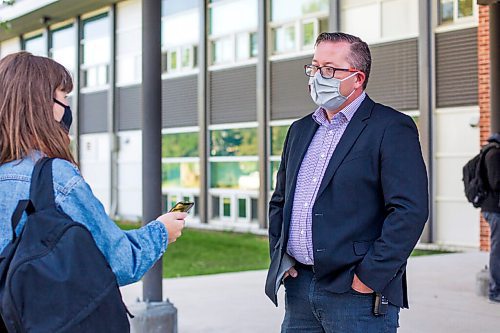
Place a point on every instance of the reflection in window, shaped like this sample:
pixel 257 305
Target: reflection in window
pixel 233 142
pixel 274 173
pixel 180 35
pixel 296 24
pixel 62 47
pixel 284 39
pixel 180 145
pixel 233 35
pixel 181 167
pixel 454 10
pixel 35 45
pixel 234 175
pixel 182 174
pixel 128 43
pixel 278 135
pixel 96 51
pixel 465 8
pixel 308 36
pixel 286 10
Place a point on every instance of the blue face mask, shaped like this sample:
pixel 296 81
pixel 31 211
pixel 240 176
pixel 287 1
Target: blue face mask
pixel 67 118
pixel 326 92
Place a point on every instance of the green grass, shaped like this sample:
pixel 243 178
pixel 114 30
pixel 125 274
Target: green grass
pixel 200 252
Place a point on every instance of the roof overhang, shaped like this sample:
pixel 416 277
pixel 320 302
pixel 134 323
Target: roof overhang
pixel 29 15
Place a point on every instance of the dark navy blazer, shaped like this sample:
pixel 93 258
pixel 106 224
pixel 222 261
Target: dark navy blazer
pixel 371 206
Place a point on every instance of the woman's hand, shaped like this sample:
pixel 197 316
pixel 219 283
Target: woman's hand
pixel 174 222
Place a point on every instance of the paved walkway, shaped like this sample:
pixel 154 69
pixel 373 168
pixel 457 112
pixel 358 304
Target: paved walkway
pixel 442 299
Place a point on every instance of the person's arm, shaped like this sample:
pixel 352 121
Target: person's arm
pixel 492 161
pixel 404 186
pixel 277 201
pixel 129 253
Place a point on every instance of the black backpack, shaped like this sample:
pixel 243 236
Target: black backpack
pixel 475 184
pixel 53 278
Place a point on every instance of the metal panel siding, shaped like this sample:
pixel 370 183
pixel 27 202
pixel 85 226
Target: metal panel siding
pixel 233 95
pixel 180 102
pixel 128 106
pixel 289 89
pixel 94 112
pixel 394 74
pixel 456 68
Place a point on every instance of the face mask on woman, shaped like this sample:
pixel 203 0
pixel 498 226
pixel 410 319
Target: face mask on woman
pixel 67 118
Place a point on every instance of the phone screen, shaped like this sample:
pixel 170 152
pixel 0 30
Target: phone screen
pixel 182 206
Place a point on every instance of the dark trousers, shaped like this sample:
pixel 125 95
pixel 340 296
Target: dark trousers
pixel 493 220
pixel 309 309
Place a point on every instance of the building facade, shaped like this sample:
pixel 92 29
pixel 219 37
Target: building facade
pixel 233 82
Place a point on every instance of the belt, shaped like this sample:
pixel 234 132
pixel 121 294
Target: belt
pixel 299 265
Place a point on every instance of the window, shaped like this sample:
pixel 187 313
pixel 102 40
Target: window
pixel 278 135
pixel 233 158
pixel 296 24
pixel 181 165
pixel 233 142
pixel 180 35
pixel 96 51
pixel 62 47
pixel 383 20
pixel 233 36
pixel 451 11
pixel 128 43
pixel 36 45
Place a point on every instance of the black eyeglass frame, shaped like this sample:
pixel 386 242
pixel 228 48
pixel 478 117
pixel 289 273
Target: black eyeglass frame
pixel 320 68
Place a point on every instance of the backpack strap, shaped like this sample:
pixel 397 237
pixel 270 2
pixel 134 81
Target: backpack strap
pixel 22 206
pixel 42 188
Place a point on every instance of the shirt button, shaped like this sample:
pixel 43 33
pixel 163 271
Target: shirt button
pixel 301 232
pixel 314 180
pixel 306 204
pixel 308 259
pixel 322 155
pixel 330 132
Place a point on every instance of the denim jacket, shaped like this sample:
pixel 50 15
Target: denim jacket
pixel 129 253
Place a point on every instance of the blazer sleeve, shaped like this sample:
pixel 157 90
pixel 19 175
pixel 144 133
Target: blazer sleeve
pixel 277 201
pixel 403 179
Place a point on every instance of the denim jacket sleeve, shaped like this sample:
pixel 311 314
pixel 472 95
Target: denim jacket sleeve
pixel 129 253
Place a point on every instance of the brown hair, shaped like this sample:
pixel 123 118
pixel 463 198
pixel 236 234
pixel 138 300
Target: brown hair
pixel 27 89
pixel 359 57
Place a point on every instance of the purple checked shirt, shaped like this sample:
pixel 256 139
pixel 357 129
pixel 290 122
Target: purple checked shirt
pixel 311 174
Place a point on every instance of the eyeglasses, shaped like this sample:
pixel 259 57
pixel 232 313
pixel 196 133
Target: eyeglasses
pixel 327 72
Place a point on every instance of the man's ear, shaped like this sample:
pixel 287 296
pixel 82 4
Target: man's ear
pixel 360 79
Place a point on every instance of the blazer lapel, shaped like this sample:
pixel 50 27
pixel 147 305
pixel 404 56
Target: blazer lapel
pixel 351 133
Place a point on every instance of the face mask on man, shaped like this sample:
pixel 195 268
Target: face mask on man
pixel 326 92
pixel 67 118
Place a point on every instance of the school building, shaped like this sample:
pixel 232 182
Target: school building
pixel 233 81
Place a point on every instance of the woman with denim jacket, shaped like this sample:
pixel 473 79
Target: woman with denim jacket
pixel 34 122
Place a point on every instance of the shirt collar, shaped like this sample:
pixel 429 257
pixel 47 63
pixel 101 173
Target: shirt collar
pixel 346 113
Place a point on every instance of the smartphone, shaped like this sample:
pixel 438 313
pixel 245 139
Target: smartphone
pixel 182 206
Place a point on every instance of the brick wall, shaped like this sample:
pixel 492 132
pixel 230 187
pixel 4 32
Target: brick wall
pixel 483 50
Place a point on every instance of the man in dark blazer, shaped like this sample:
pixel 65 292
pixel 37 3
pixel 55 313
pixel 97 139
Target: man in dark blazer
pixel 350 203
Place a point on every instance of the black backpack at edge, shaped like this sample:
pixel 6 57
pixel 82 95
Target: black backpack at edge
pixel 53 277
pixel 475 184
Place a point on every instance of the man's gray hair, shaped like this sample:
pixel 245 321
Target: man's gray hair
pixel 359 56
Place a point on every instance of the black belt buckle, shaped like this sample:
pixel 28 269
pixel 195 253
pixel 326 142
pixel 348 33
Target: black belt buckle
pixel 380 304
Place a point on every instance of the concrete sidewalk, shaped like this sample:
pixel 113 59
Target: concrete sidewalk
pixel 441 287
